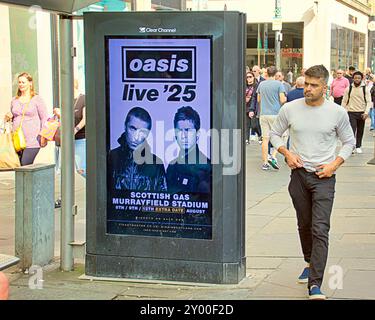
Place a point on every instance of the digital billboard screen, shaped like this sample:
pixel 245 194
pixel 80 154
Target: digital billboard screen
pixel 159 108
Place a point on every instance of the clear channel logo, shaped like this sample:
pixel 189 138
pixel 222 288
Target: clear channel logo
pixel 156 30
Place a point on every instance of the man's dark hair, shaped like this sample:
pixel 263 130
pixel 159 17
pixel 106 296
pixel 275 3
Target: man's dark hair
pixel 139 113
pixel 358 73
pixel 318 71
pixel 351 68
pixel 271 71
pixel 187 113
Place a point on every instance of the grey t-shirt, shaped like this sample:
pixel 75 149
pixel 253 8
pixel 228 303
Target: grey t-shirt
pixel 314 132
pixel 269 91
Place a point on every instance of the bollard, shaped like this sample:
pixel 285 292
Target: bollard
pixel 4 287
pixel 34 217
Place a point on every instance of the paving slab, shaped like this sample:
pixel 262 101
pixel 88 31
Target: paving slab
pixel 253 262
pixel 353 224
pixel 354 246
pixel 358 264
pixel 281 225
pixel 274 291
pixel 357 285
pixel 275 245
pixel 268 209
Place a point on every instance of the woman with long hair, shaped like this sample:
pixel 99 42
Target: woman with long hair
pixel 29 111
pixel 251 84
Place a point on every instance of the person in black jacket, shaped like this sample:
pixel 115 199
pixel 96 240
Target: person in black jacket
pixel 191 170
pixel 132 166
pixel 372 110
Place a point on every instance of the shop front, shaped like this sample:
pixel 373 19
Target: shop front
pixel 261 46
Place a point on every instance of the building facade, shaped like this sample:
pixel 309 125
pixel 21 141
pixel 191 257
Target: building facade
pixel 28 44
pixel 329 32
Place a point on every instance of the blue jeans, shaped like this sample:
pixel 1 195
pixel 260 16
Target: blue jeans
pixel 79 157
pixel 372 117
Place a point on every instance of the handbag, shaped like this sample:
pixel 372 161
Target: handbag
pixel 19 139
pixel 49 128
pixel 8 155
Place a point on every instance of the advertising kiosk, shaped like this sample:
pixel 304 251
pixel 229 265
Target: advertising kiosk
pixel 165 156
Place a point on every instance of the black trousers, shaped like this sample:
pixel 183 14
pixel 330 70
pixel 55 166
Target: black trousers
pixel 254 125
pixel 313 201
pixel 28 156
pixel 338 100
pixel 358 126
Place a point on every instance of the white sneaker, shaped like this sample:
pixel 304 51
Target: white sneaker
pixel 358 150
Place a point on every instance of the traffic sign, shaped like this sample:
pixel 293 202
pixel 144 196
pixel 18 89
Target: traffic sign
pixel 277 24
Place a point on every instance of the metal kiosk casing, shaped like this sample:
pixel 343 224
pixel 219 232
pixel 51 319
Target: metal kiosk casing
pixel 162 62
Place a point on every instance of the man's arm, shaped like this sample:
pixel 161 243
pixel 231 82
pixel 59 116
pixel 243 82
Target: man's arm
pixel 282 94
pixel 369 101
pixel 282 97
pixel 345 98
pixel 345 134
pixel 331 88
pixel 327 170
pixel 278 128
pixel 280 125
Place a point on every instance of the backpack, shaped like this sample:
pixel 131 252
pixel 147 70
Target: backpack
pixel 364 93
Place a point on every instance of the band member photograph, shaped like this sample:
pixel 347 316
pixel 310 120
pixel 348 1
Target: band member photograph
pixel 191 170
pixel 128 170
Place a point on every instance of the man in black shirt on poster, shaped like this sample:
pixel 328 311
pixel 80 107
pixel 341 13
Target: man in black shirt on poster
pixel 191 170
pixel 132 166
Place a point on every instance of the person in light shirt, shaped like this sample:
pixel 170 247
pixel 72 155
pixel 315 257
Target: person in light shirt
pixel 339 86
pixel 315 125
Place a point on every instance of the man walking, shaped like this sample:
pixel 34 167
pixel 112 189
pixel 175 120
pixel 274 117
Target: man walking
pixel 280 77
pixel 357 101
pixel 256 71
pixel 314 163
pixel 297 93
pixel 271 96
pixel 349 74
pixel 339 86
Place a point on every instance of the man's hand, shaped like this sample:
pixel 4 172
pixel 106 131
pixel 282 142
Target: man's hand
pixel 364 116
pixel 326 170
pixel 294 161
pixel 251 114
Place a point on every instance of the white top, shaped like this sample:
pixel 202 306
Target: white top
pixel 314 132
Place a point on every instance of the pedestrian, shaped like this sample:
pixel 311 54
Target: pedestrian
pixel 251 85
pixel 271 96
pixel 314 164
pixel 28 112
pixel 349 74
pixel 79 108
pixel 257 73
pixel 297 93
pixel 368 75
pixel 357 101
pixel 338 86
pixel 280 77
pixel 290 77
pixel 372 110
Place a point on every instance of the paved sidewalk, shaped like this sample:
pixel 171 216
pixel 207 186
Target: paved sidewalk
pixel 273 251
